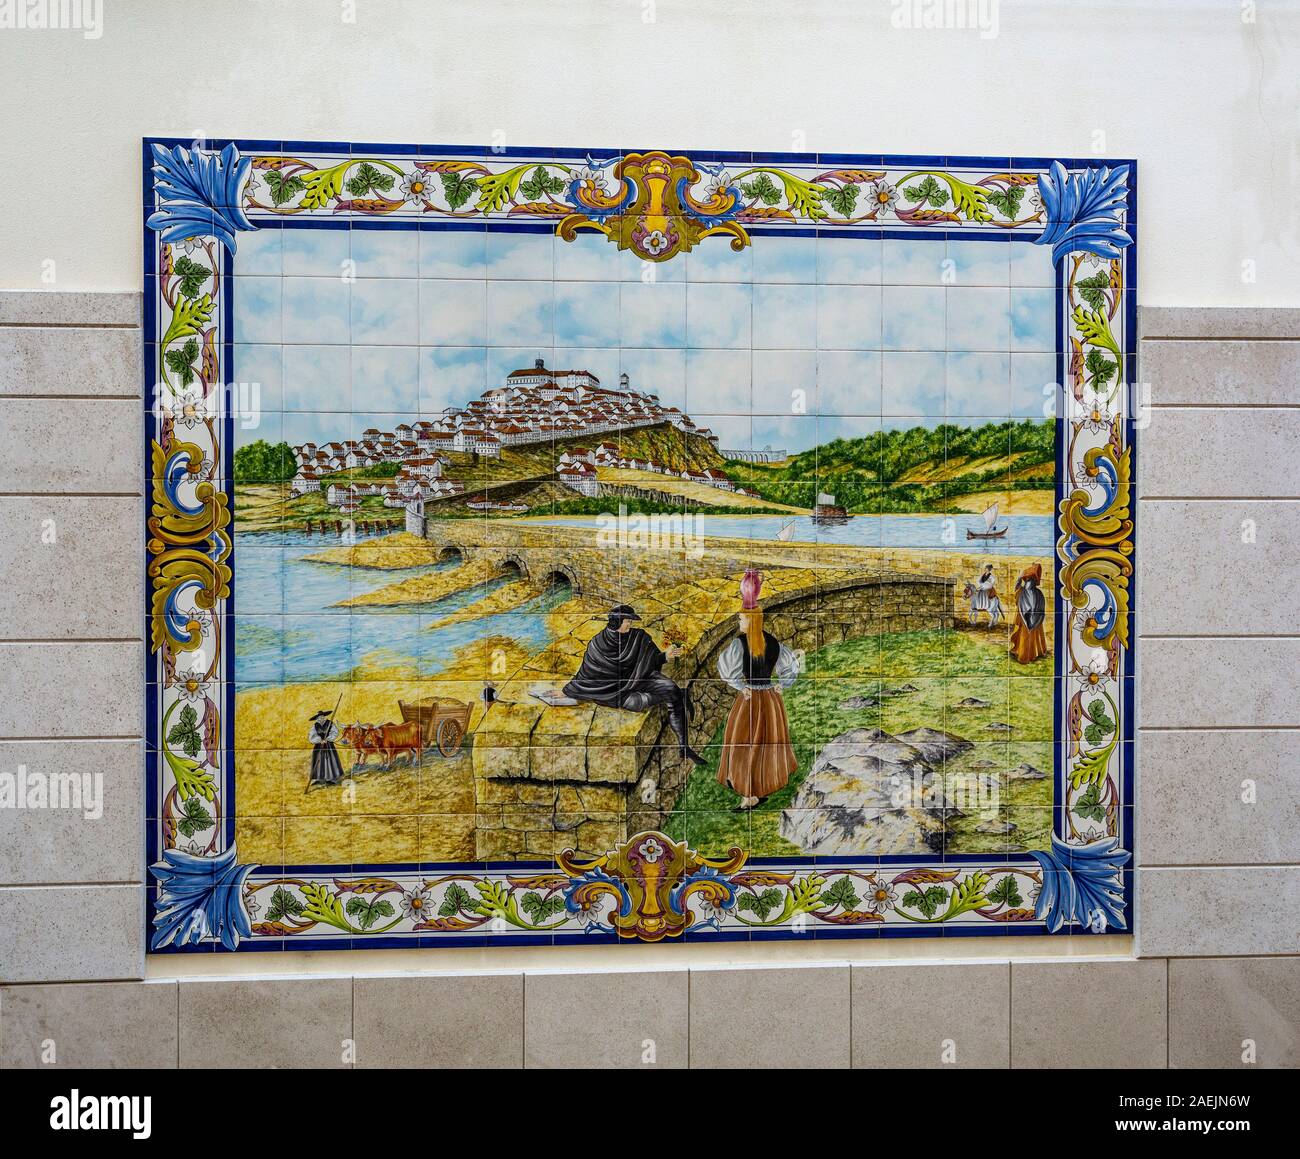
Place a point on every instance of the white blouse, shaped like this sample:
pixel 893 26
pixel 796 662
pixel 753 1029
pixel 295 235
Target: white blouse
pixel 313 737
pixel 731 666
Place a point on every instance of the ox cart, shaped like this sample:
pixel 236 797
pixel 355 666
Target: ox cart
pixel 443 722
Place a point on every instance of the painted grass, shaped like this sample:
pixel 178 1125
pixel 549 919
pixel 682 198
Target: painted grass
pixel 944 669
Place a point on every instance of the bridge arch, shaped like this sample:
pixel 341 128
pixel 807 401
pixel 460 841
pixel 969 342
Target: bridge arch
pixel 513 564
pixel 562 575
pixel 452 551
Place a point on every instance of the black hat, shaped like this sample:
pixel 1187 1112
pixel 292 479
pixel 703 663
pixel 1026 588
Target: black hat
pixel 623 612
pixel 326 715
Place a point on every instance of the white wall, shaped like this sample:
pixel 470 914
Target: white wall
pixel 1204 100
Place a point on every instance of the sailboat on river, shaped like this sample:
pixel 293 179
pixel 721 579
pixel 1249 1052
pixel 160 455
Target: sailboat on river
pixel 991 531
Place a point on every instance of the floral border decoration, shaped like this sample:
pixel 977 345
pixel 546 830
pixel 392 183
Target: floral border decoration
pixel 656 205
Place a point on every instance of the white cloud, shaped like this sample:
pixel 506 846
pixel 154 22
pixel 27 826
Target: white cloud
pixel 386 378
pixel 785 382
pixel 1031 377
pixel 520 313
pixel 660 371
pixel 849 259
pixel 979 384
pixel 718 381
pixel 258 309
pixel 785 317
pixel 913 318
pixel 1033 319
pixel 587 314
pixel 914 263
pixel 719 314
pixel 979 318
pixel 316 253
pixel 451 376
pixel 849 317
pixel 317 378
pixel 316 310
pixel 912 383
pixel 848 382
pixel 386 311
pixel 385 253
pixel 521 255
pixel 986 262
pixel 785 259
pixel 448 253
pixel 653 314
pixel 453 313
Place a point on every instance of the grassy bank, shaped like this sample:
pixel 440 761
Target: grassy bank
pixel 977 669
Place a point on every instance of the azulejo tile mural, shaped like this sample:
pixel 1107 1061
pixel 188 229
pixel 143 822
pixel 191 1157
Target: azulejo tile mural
pixel 566 546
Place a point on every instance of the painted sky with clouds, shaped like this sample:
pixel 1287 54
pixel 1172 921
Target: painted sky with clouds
pixel 791 342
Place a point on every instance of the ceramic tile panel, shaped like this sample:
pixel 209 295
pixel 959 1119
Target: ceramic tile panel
pixel 553 547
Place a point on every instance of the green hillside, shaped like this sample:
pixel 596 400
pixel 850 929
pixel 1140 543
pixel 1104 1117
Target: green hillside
pixel 917 469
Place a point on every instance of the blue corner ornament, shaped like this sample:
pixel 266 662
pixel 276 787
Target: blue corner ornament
pixel 199 192
pixel 1083 210
pixel 1081 884
pixel 198 898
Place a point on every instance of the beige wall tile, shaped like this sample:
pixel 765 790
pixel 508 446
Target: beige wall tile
pixel 36 434
pixel 72 568
pixel 908 1015
pixel 71 690
pixel 1088 1015
pixel 618 1019
pixel 71 933
pixel 266 1023
pixel 109 1025
pixel 464 1020
pixel 770 1017
pixel 1190 788
pixel 1218 910
pixel 1234 1013
pixel 70 360
pixel 73 844
pixel 1209 683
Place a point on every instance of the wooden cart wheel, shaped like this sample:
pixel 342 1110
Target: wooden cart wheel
pixel 450 734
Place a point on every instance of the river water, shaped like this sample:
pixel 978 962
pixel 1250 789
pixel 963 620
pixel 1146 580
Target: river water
pixel 1026 534
pixel 287 629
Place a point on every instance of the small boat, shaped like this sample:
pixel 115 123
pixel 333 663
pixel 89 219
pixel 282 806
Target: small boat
pixel 989 532
pixel 787 531
pixel 828 511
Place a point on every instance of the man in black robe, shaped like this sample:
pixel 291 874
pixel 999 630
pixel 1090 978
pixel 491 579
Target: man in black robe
pixel 621 669
pixel 326 768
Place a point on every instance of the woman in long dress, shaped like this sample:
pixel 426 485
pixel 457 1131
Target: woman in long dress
pixel 326 768
pixel 1028 635
pixel 757 757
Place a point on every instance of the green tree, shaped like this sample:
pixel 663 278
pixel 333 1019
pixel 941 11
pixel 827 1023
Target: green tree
pixel 263 462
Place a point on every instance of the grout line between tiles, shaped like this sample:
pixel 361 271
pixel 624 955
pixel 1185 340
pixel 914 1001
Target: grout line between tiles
pixel 69 325
pixel 1218 498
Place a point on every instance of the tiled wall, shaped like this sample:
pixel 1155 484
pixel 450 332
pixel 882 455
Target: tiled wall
pixel 1218 653
pixel 71 618
pixel 1218 905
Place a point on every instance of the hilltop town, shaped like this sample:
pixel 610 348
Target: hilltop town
pixel 535 407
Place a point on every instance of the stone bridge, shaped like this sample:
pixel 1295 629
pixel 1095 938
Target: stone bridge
pixel 549 778
pixel 604 568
